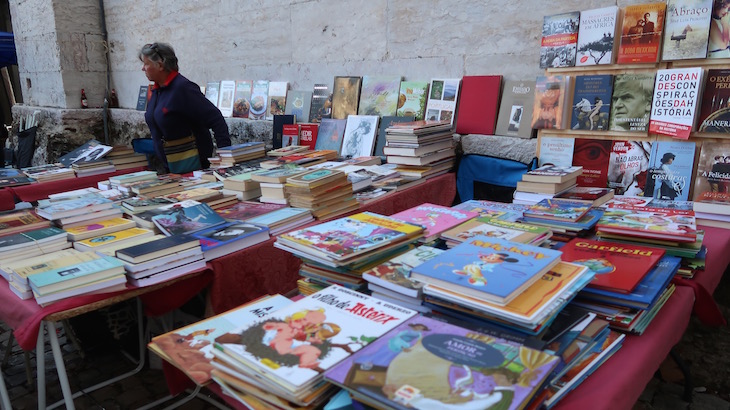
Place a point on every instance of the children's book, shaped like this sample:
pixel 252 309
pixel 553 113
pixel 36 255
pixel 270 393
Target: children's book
pixel 558 209
pixel 490 269
pixel 497 228
pixel 494 210
pixel 395 274
pixel 297 343
pixel 185 217
pixel 587 221
pixel 359 139
pixel 434 218
pixel 650 223
pixel 425 363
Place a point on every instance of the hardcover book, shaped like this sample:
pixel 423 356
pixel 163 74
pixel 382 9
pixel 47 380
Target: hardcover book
pixel 558 209
pixel 212 91
pixel 321 103
pixel 641 33
pixel 330 135
pixel 669 175
pixel 395 274
pixel 142 98
pixel 550 107
pixel 278 129
pixel 225 98
pixel 559 40
pixel 185 217
pixel 345 96
pixel 489 269
pixel 308 134
pixel 687 29
pixel 627 166
pixel 298 342
pixel 242 99
pixel 593 155
pixel 259 100
pixel 552 174
pixel 379 95
pixel 592 102
pixel 434 218
pixel 712 183
pixel 359 139
pixel 442 97
pixel 418 366
pixel 385 123
pixel 515 109
pixel 631 102
pixel 652 223
pixel 478 104
pixel 557 151
pixel 593 196
pixel 715 111
pixel 412 100
pixel 675 102
pixel 597 36
pixel 91 151
pixel 298 104
pixel 277 98
pixel 497 228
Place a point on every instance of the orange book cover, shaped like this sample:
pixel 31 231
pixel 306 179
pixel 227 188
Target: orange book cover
pixel 641 33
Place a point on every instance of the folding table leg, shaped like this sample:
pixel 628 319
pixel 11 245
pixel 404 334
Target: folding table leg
pixel 60 365
pixel 4 394
pixel 40 360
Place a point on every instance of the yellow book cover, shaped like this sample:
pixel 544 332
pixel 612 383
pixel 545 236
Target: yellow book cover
pixel 104 240
pixel 389 223
pixel 49 261
pixel 109 223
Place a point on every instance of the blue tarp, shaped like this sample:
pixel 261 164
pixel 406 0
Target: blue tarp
pixel 7 50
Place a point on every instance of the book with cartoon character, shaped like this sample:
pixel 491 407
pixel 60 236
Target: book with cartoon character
pixel 293 346
pixel 429 364
pixel 490 269
pixel 649 223
pixel 435 218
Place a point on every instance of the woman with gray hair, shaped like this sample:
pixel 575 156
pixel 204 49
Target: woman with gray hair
pixel 176 108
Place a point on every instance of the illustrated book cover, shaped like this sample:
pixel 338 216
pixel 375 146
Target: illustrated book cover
pixel 225 98
pixel 597 36
pixel 627 166
pixel 321 107
pixel 330 135
pixel 345 96
pixel 212 91
pixel 277 98
pixel 551 109
pixel 515 109
pixel 478 104
pixel 497 228
pixel 676 101
pixel 412 99
pixel 242 99
pixel 434 218
pixel 359 138
pixel 229 237
pixel 379 95
pixel 495 210
pixel 593 155
pixel 559 40
pixel 299 104
pixel 687 29
pixel 442 97
pixel 641 33
pixel 669 176
pixel 185 217
pixel 712 183
pixel 591 102
pixel 395 274
pixel 631 102
pixel 653 223
pixel 259 100
pixel 715 109
pixel 558 209
pixel 557 151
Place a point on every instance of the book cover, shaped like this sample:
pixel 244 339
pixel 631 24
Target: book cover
pixel 712 183
pixel 497 228
pixel 212 91
pixel 189 348
pixel 345 96
pixel 395 274
pixel 308 134
pixel 426 363
pixel 278 216
pixel 641 33
pixel 289 135
pixel 321 103
pixel 550 110
pixel 54 260
pixel 556 151
pixel 165 246
pixel 675 102
pixel 495 210
pixel 330 135
pixel 229 232
pixel 245 209
pixel 669 175
pixel 715 108
pixel 75 206
pixel 559 40
pixel 277 98
pixel 593 155
pixel 491 269
pixel 442 97
pixel 412 100
pixel 597 36
pixel 73 275
pixel 99 242
pixel 588 194
pixel 478 104
pixel 359 139
pixel 687 29
pixel 298 342
pixel 278 128
pixel 109 224
pixel 379 95
pixel 299 104
pixel 552 173
pixel 515 109
pixel 562 209
pixel 659 223
pixel 142 98
pixel 627 166
pixel 225 97
pixel 591 102
pixel 385 123
pixel 259 100
pixel 434 218
pixel 617 267
pixel 242 99
pixel 185 217
pixel 91 150
pixel 631 102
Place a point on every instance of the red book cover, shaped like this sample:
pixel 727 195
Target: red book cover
pixel 308 135
pixel 478 104
pixel 641 33
pixel 290 135
pixel 617 267
pixel 593 156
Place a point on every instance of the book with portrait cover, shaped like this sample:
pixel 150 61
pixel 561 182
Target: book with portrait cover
pixel 299 104
pixel 715 109
pixel 321 103
pixel 641 33
pixel 379 95
pixel 422 362
pixel 225 97
pixel 91 150
pixel 246 209
pixel 593 155
pixel 687 29
pixel 478 104
pixel 229 237
pixel 412 99
pixel 185 217
pixel 435 218
pixel 597 36
pixel 559 40
pixel 515 109
pixel 557 151
pixel 551 108
pixel 712 183
pixel 242 99
pixel 669 175
pixel 212 91
pixel 277 98
pixel 442 97
pixel 330 135
pixel 675 103
pixel 627 166
pixel 631 102
pixel 591 102
pixel 259 100
pixel 345 96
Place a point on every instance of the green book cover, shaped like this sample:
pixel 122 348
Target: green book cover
pixel 75 275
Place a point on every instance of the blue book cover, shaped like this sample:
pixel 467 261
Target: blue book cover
pixel 74 275
pixel 591 102
pixel 186 217
pixel 226 233
pixel 278 215
pixel 330 135
pixel 489 268
pixel 670 170
pixel 494 210
pixel 588 221
pixel 647 291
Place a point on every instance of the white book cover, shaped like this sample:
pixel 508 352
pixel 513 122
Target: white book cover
pixel 211 91
pixel 687 29
pixel 597 36
pixel 225 98
pixel 442 98
pixel 360 133
pixel 297 343
pixel 674 107
pixel 556 151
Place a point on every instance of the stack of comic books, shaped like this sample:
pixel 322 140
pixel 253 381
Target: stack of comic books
pixel 434 218
pixel 497 228
pixel 648 225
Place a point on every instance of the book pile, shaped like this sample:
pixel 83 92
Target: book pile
pixel 326 193
pixel 648 225
pixel 237 181
pixel 497 228
pixel 273 182
pixel 495 210
pixel 105 227
pixel 88 168
pixel 21 221
pixel 282 220
pixel 234 154
pixel 200 194
pixel 230 237
pixel 162 259
pixel 181 218
pixel 78 211
pixel 16 272
pixel 594 197
pixel 244 210
pixel 152 187
pixel 421 149
pixel 100 274
pixel 32 243
pixel 124 179
pixel 566 218
pixel 13 177
pixel 364 176
pixel 302 159
pixel 49 172
pixel 308 337
pixel 135 205
pixel 436 219
pixel 123 157
pixel 125 236
pixel 545 182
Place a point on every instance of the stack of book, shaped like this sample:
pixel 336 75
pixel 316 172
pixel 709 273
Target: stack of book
pixel 49 172
pixel 105 227
pixel 436 219
pixel 129 178
pixel 99 242
pixel 198 193
pixel 302 159
pixel 309 336
pixel 33 243
pixel 326 193
pixel 566 218
pixel 123 157
pixel 497 228
pixel 595 197
pixel 234 154
pixel 161 260
pixel 364 176
pixel 273 183
pixel 230 237
pixel 14 177
pixel 495 210
pixel 21 221
pixel 282 220
pixel 79 211
pixel 135 205
pixel 421 148
pixel 181 218
pixel 150 188
pixel 648 225
pixel 16 272
pixel 545 182
pixel 237 181
pixel 88 168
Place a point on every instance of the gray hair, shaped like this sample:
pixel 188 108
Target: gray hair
pixel 160 53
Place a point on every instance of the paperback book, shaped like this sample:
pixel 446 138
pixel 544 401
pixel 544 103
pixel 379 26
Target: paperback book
pixel 641 33
pixel 687 29
pixel 321 103
pixel 412 100
pixel 557 151
pixel 550 106
pixel 345 97
pixel 597 36
pixel 92 150
pixel 497 228
pixel 359 139
pixel 515 109
pixel 715 109
pixel 627 166
pixel 245 210
pixel 593 155
pixel 631 102
pixel 651 223
pixel 330 135
pixel 385 123
pixel 559 40
pixel 212 91
pixel 298 104
pixel 229 237
pixel 434 218
pixel 712 183
pixel 225 98
pixel 558 209
pixel 277 98
pixel 675 103
pixel 592 102
pixel 669 176
pixel 379 95
pixel 259 100
pixel 395 274
pixel 185 217
pixel 442 97
pixel 242 99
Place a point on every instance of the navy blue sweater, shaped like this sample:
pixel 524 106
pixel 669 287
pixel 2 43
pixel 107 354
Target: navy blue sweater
pixel 178 109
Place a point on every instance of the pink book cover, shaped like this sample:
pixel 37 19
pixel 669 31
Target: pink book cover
pixel 435 218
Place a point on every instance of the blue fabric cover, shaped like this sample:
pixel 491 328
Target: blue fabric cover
pixel 489 170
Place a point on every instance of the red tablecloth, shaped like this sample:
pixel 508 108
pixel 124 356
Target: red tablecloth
pixel 7 199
